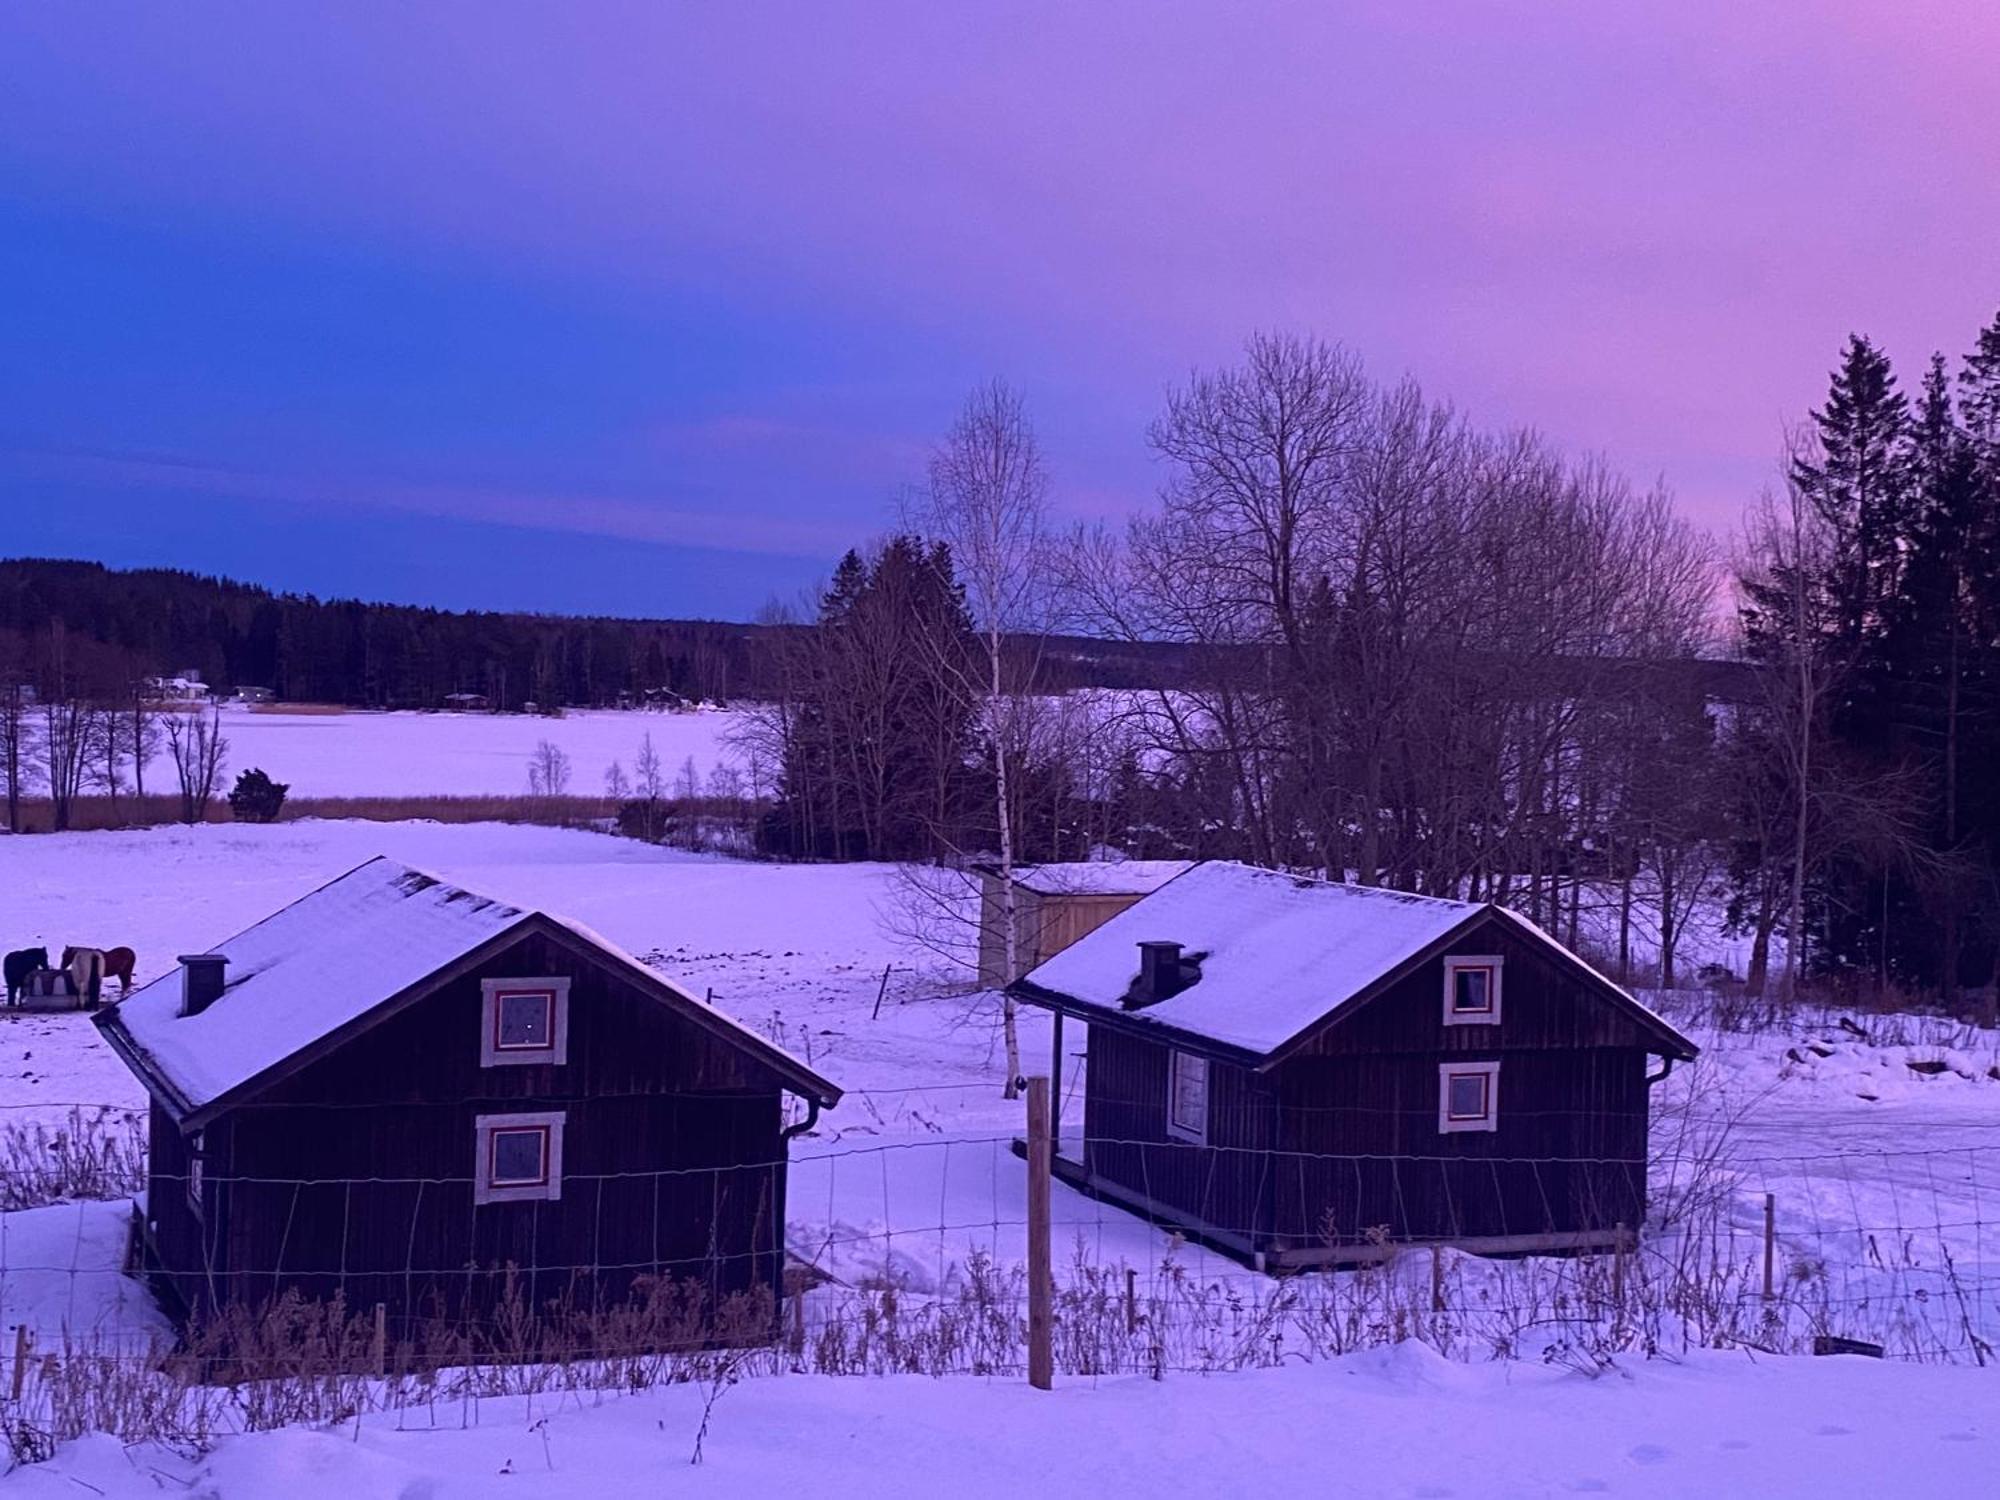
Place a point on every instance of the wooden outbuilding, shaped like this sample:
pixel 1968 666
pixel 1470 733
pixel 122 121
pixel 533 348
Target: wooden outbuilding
pixel 1056 904
pixel 1303 1073
pixel 403 1092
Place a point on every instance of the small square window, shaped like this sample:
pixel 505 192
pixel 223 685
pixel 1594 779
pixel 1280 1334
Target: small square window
pixel 1468 1096
pixel 518 1158
pixel 194 1173
pixel 1472 991
pixel 1187 1098
pixel 524 1022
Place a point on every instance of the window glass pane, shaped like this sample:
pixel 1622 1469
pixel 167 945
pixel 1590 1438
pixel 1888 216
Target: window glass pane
pixel 1467 1097
pixel 526 1019
pixel 1472 989
pixel 519 1156
pixel 1190 1091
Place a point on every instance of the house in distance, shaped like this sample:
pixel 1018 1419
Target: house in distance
pixel 1055 904
pixel 407 1093
pixel 1303 1073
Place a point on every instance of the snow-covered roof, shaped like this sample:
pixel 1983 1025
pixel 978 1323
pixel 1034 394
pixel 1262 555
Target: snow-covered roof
pixel 327 960
pixel 1279 954
pixel 1101 877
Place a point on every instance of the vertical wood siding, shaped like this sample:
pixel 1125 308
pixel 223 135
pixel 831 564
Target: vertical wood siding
pixel 354 1176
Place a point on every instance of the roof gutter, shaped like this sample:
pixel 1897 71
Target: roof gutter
pixel 163 1092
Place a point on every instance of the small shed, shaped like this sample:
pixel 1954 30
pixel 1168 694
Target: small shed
pixel 1303 1073
pixel 1055 904
pixel 403 1092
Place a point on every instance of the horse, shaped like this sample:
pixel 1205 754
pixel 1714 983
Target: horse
pixel 86 974
pixel 118 964
pixel 19 965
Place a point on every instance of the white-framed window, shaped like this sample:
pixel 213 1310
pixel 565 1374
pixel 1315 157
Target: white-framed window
pixel 1472 990
pixel 523 1021
pixel 517 1158
pixel 1468 1096
pixel 1187 1097
pixel 193 1183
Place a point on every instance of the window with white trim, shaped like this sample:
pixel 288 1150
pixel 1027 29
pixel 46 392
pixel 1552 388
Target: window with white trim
pixel 523 1021
pixel 518 1158
pixel 1472 990
pixel 194 1173
pixel 1187 1097
pixel 1468 1096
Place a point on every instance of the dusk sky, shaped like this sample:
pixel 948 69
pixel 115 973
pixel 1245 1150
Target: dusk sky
pixel 653 309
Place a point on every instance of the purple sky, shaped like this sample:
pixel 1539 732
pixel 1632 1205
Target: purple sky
pixel 653 308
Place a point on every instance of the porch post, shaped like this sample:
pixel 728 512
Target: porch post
pixel 1055 1088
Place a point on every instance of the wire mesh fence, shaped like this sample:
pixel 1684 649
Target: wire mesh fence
pixel 908 1255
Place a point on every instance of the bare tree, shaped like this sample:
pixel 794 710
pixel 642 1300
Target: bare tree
pixel 987 501
pixel 199 752
pixel 17 745
pixel 548 771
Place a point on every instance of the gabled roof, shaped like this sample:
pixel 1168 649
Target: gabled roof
pixel 1097 877
pixel 1279 956
pixel 337 961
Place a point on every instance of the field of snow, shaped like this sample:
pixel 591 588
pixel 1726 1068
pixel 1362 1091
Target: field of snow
pixel 362 754
pixel 1872 1136
pixel 1393 1423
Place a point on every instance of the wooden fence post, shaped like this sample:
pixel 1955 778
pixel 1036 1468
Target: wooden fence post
pixel 1041 1290
pixel 1618 1267
pixel 22 1339
pixel 381 1340
pixel 1131 1301
pixel 1437 1279
pixel 1770 1245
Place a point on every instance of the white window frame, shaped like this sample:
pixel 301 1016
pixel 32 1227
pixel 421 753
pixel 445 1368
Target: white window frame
pixel 1178 1128
pixel 1490 1121
pixel 193 1182
pixel 485 1127
pixel 492 1054
pixel 1458 963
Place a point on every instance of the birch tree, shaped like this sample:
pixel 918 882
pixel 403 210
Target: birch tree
pixel 987 501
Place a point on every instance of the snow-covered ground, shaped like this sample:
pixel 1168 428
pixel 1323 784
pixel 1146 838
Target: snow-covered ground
pixel 363 754
pixel 1887 1210
pixel 1391 1423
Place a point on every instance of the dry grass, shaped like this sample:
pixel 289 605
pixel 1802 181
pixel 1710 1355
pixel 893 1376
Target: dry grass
pixel 96 1153
pixel 311 709
pixel 98 813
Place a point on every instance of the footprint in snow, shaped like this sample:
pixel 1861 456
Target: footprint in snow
pixel 1649 1453
pixel 1589 1486
pixel 1833 1430
pixel 1961 1437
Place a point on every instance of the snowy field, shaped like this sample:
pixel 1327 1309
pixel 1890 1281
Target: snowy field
pixel 1396 1424
pixel 362 754
pixel 1874 1140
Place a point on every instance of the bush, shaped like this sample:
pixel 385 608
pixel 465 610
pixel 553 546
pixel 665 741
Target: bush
pixel 256 798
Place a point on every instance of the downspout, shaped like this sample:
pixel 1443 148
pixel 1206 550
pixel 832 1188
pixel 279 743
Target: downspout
pixel 1666 1067
pixel 779 1173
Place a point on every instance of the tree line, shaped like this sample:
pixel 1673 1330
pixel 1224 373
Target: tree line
pixel 1870 597
pixel 123 625
pixel 1414 653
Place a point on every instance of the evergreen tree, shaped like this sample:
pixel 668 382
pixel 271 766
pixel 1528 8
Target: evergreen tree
pixel 1857 477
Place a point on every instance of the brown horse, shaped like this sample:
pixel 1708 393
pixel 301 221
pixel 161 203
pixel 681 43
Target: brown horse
pixel 118 964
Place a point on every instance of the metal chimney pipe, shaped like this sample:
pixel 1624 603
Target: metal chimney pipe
pixel 201 981
pixel 1159 971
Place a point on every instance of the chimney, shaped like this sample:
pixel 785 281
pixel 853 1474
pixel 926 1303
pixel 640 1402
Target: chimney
pixel 1160 976
pixel 201 981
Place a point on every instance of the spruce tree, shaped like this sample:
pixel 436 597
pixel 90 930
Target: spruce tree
pixel 1857 476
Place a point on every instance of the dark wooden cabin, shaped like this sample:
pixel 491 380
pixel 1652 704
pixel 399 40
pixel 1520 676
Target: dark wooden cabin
pixel 1302 1073
pixel 402 1092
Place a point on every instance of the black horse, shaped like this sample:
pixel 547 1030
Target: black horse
pixel 19 966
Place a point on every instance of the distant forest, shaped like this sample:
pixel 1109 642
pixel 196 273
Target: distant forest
pixel 120 625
